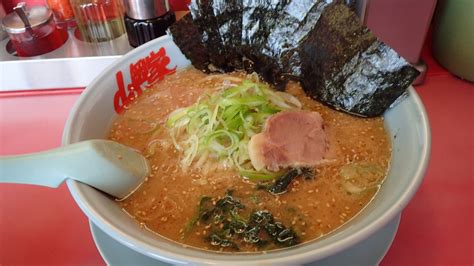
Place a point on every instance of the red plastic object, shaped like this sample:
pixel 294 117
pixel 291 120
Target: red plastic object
pixel 39 41
pixel 62 9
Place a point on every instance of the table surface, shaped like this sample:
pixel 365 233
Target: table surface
pixel 44 226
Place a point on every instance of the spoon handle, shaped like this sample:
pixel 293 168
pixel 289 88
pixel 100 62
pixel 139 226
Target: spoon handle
pixel 106 165
pixel 20 10
pixel 49 168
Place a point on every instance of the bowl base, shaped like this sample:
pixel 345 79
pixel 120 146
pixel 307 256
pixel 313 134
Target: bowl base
pixel 368 252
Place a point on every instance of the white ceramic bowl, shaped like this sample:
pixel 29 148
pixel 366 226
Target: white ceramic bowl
pixel 94 112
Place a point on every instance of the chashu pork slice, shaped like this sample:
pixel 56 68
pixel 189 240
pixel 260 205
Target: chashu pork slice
pixel 290 139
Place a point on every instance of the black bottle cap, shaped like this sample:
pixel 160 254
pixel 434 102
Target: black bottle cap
pixel 146 9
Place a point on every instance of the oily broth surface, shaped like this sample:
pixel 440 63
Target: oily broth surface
pixel 169 198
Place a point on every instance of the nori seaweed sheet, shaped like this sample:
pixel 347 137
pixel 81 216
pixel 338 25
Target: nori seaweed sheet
pixel 203 17
pixel 285 41
pixel 258 20
pixel 346 66
pixel 320 43
pixel 351 4
pixel 335 39
pixel 228 15
pixel 188 38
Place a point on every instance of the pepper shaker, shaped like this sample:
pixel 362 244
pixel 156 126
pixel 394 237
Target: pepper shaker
pixel 146 20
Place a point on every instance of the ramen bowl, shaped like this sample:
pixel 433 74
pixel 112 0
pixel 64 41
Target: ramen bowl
pixel 120 83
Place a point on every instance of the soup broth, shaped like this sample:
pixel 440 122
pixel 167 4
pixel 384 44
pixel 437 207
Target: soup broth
pixel 168 202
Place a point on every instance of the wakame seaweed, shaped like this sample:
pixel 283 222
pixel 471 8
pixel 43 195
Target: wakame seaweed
pixel 205 205
pixel 280 184
pixel 227 228
pixel 263 221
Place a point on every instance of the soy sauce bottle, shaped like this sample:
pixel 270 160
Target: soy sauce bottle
pixel 146 20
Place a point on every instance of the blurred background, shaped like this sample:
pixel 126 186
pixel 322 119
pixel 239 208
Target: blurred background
pixel 402 24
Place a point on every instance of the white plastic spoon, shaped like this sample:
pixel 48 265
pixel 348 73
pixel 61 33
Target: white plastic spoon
pixel 106 165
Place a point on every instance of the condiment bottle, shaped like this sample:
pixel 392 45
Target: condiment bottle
pixel 99 20
pixel 3 33
pixel 146 20
pixel 62 10
pixel 33 31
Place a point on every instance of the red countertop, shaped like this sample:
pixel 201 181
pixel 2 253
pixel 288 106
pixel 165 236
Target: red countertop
pixel 44 226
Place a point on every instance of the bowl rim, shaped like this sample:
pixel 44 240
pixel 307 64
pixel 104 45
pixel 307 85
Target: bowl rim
pixel 214 258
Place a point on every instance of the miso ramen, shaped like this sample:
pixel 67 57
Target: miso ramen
pixel 204 191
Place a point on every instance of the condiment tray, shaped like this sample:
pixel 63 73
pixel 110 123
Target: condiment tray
pixel 75 64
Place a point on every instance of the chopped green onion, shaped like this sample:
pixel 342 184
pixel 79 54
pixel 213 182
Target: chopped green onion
pixel 259 175
pixel 220 125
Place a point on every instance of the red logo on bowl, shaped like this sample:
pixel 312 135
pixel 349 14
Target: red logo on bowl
pixel 147 70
